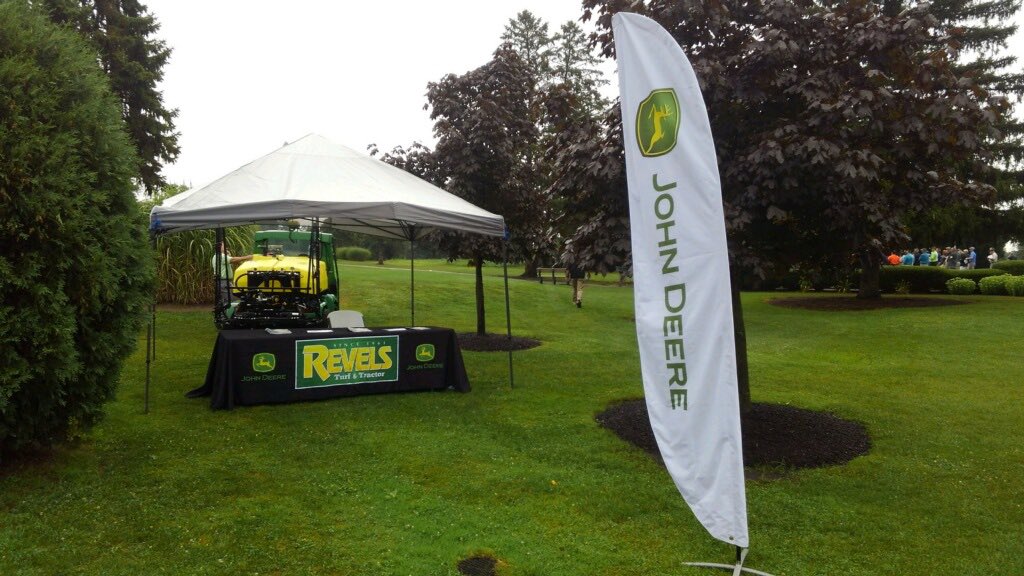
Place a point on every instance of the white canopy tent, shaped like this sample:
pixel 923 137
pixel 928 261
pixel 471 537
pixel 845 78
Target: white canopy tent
pixel 315 178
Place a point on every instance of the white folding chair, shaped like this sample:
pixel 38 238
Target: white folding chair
pixel 345 319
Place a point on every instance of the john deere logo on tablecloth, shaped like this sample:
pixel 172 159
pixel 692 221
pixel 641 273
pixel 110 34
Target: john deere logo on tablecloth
pixel 344 361
pixel 264 362
pixel 657 122
pixel 425 352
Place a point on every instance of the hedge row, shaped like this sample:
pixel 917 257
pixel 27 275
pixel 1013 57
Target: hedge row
pixel 925 279
pixel 1015 267
pixel 1005 285
pixel 356 253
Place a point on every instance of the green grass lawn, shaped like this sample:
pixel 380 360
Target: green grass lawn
pixel 409 484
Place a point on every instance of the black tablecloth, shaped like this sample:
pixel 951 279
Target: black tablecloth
pixel 257 367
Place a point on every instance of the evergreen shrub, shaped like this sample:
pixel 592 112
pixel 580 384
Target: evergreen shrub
pixel 1015 286
pixel 77 271
pixel 1015 267
pixel 961 286
pixel 356 253
pixel 994 285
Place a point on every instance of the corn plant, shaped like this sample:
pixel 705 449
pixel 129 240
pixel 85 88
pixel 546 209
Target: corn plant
pixel 184 263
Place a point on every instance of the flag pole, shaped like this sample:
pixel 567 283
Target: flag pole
pixel 508 315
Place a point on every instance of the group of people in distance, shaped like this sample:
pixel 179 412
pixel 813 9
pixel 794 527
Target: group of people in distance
pixel 948 257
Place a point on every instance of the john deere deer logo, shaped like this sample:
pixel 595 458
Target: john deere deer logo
pixel 657 123
pixel 263 362
pixel 425 352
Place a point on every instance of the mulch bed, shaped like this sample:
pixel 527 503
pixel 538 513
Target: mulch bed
pixel 774 436
pixel 494 342
pixel 843 303
pixel 478 566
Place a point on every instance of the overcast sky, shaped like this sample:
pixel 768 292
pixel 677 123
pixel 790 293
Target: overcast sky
pixel 249 75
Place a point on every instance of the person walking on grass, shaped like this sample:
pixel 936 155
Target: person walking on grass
pixel 576 276
pixel 992 257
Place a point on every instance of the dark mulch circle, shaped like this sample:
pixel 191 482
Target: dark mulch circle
pixel 495 342
pixel 842 303
pixel 478 566
pixel 774 436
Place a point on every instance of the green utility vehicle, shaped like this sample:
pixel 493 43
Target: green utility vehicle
pixel 292 280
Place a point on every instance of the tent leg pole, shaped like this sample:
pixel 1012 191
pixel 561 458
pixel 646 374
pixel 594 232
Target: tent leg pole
pixel 412 281
pixel 218 262
pixel 152 238
pixel 150 336
pixel 508 319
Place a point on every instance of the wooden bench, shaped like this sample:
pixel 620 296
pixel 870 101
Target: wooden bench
pixel 555 273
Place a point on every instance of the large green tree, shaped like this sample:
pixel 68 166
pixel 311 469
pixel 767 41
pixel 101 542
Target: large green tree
pixel 590 181
pixel 529 37
pixel 982 28
pixel 484 129
pixel 574 66
pixel 77 273
pixel 562 66
pixel 833 125
pixel 123 32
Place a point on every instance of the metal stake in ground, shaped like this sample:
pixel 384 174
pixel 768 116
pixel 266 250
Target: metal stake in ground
pixel 737 568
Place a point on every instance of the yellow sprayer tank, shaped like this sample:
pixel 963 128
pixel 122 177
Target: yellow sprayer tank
pixel 298 264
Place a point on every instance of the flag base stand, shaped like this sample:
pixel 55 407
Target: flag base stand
pixel 737 568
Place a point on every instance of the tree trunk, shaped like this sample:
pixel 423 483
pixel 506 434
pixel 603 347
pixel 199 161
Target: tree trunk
pixel 531 267
pixel 870 264
pixel 481 325
pixel 740 336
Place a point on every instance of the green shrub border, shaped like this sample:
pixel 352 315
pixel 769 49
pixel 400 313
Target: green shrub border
pixel 1015 286
pixel 994 285
pixel 926 279
pixel 354 253
pixel 1015 267
pixel 961 286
